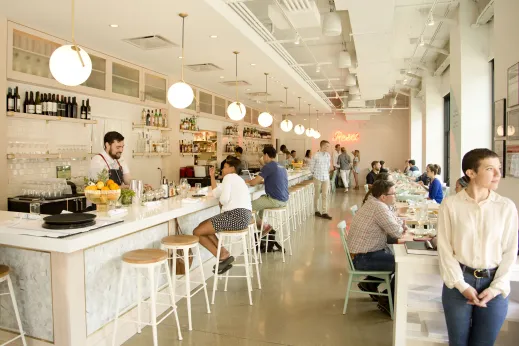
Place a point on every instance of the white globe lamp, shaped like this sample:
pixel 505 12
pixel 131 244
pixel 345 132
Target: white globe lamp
pixel 236 111
pixel 317 134
pixel 265 119
pixel 66 66
pixel 180 95
pixel 310 132
pixel 286 125
pixel 299 129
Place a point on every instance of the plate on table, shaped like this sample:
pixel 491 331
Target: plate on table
pixel 74 218
pixel 198 195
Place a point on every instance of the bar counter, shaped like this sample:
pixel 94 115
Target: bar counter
pixel 66 287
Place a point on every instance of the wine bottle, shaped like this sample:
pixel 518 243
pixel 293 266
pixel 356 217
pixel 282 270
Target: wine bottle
pixel 83 110
pixel 31 105
pixel 156 118
pixel 161 121
pixel 88 110
pixel 26 102
pixel 54 105
pixel 44 104
pixel 62 112
pixel 17 100
pixel 37 103
pixel 143 117
pixel 69 108
pixel 10 100
pixel 74 108
pixel 148 118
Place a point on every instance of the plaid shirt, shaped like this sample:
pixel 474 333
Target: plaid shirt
pixel 371 226
pixel 320 165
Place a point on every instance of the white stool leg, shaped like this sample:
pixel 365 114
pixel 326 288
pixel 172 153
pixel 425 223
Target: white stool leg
pixel 230 252
pixel 118 301
pixel 153 303
pixel 215 281
pixel 288 237
pixel 282 234
pixel 203 278
pixel 174 270
pixel 139 298
pixel 187 278
pixel 256 259
pixel 172 298
pixel 257 239
pixel 266 214
pixel 247 273
pixel 15 307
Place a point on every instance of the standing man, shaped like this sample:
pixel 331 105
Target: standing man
pixel 281 154
pixel 275 179
pixel 238 153
pixel 336 166
pixel 110 159
pixel 375 169
pixel 320 168
pixel 293 153
pixel 345 167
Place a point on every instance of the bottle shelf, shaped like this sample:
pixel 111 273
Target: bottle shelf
pixel 17 115
pixel 151 154
pixel 231 136
pixel 152 128
pixel 229 153
pixel 257 139
pixel 189 131
pixel 71 155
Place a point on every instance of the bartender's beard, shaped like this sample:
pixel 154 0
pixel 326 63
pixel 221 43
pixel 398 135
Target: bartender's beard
pixel 115 155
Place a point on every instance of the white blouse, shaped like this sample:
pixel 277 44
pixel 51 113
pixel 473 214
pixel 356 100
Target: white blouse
pixel 233 193
pixel 479 235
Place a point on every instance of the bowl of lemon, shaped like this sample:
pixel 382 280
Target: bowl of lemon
pixel 103 193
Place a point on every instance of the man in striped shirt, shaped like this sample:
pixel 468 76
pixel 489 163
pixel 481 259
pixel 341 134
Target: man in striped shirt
pixel 320 168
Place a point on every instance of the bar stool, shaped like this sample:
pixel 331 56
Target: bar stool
pixel 304 200
pixel 242 238
pixel 309 186
pixel 254 242
pixel 186 243
pixel 278 219
pixel 260 234
pixel 148 259
pixel 295 206
pixel 4 276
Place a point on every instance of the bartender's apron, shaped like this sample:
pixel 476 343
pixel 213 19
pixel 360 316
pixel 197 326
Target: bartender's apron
pixel 115 174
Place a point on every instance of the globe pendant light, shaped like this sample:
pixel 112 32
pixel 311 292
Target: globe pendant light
pixel 236 110
pixel 317 134
pixel 309 130
pixel 70 64
pixel 299 129
pixel 265 119
pixel 286 125
pixel 180 94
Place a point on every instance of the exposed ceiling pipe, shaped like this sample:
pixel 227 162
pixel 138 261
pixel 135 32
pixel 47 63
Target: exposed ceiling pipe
pixel 436 49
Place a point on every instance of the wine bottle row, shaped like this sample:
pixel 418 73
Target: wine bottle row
pixel 48 104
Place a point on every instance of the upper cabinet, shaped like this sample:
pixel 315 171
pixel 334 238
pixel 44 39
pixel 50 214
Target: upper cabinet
pixel 29 52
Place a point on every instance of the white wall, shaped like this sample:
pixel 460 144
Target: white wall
pixel 384 137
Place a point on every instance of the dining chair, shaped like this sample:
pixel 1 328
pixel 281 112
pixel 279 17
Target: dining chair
pixel 354 210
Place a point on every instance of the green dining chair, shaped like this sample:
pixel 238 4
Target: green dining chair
pixel 332 181
pixel 360 276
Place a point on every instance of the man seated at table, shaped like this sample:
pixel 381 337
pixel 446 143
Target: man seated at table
pixel 275 179
pixel 413 170
pixel 375 169
pixel 367 237
pixel 293 153
pixel 383 168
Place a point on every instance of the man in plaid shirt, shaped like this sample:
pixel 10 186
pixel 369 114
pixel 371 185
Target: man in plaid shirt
pixel 367 237
pixel 320 167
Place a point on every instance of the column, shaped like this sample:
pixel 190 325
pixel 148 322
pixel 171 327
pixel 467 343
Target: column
pixel 415 128
pixel 433 120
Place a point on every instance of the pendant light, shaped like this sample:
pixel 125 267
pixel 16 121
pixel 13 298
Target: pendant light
pixel 180 94
pixel 299 129
pixel 332 24
pixel 317 134
pixel 286 125
pixel 351 80
pixel 309 130
pixel 265 119
pixel 344 59
pixel 236 110
pixel 70 64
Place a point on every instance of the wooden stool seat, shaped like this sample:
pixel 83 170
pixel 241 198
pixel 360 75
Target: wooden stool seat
pixel 276 209
pixel 235 231
pixel 145 256
pixel 182 239
pixel 252 222
pixel 4 270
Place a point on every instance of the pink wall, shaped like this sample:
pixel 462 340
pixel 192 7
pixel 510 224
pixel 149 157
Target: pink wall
pixel 384 137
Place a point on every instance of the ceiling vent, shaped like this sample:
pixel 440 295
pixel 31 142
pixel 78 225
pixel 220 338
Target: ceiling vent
pixel 258 94
pixel 207 67
pixel 287 107
pixel 273 102
pixel 150 42
pixel 234 83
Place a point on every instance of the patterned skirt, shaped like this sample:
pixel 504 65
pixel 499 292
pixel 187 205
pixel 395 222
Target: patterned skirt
pixel 232 220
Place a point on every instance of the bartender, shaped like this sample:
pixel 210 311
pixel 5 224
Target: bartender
pixel 110 159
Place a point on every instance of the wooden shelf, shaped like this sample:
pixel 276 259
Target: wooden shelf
pixel 257 139
pixel 229 153
pixel 231 136
pixel 17 115
pixel 152 128
pixel 126 79
pixel 189 131
pixel 71 155
pixel 151 154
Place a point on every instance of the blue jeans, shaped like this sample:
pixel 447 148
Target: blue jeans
pixel 470 325
pixel 382 260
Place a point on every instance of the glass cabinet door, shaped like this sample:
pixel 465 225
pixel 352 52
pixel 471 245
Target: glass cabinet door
pixel 219 107
pixel 125 80
pixel 31 54
pixel 97 79
pixel 206 103
pixel 155 88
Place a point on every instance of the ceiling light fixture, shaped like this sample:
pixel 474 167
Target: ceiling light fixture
pixel 286 125
pixel 422 42
pixel 213 36
pixel 298 39
pixel 114 25
pixel 299 129
pixel 430 20
pixel 309 130
pixel 180 94
pixel 222 77
pixel 318 68
pixel 344 59
pixel 332 24
pixel 265 119
pixel 253 64
pixel 351 80
pixel 236 110
pixel 70 64
pixel 317 134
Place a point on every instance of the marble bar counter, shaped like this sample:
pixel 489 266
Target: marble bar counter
pixel 66 287
pixel 419 318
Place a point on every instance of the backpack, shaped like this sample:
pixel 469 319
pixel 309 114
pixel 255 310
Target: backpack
pixel 273 246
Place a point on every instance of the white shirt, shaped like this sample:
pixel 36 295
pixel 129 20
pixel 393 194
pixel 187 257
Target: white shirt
pixel 479 235
pixel 320 166
pixel 336 159
pixel 233 193
pixel 97 164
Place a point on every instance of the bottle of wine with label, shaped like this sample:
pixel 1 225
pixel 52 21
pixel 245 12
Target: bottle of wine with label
pixel 37 103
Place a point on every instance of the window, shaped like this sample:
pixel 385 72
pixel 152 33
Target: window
pixel 206 103
pixel 446 137
pixel 219 106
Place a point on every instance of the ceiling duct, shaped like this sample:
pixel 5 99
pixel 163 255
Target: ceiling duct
pixel 150 42
pixel 332 24
pixel 235 83
pixel 207 67
pixel 301 13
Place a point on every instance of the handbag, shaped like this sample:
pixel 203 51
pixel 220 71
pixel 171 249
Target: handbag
pixel 180 268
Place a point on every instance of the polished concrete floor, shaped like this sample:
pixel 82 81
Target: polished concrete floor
pixel 300 303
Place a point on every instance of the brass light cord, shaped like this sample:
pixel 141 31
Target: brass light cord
pixel 266 92
pixel 309 121
pixel 236 53
pixel 183 16
pixel 75 47
pixel 317 128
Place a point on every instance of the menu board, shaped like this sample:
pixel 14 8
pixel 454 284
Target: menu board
pixel 513 85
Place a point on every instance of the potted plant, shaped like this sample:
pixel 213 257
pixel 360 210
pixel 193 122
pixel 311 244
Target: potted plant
pixel 126 196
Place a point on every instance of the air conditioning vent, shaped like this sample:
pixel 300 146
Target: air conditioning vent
pixel 207 67
pixel 274 102
pixel 233 83
pixel 287 107
pixel 150 42
pixel 258 94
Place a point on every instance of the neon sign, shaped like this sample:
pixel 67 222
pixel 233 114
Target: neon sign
pixel 345 137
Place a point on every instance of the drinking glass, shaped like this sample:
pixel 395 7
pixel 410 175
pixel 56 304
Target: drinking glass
pixel 35 208
pixel 198 188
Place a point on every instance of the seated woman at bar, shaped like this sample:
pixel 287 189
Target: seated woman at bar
pixel 234 197
pixel 435 187
pixel 477 247
pixel 461 184
pixel 308 158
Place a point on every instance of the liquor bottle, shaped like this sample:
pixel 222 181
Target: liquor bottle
pixel 44 104
pixel 143 117
pixel 83 110
pixel 157 121
pixel 148 120
pixel 17 103
pixel 31 107
pixel 10 100
pixel 58 105
pixel 161 121
pixel 37 103
pixel 63 106
pixel 54 105
pixel 88 110
pixel 74 108
pixel 69 108
pixel 26 102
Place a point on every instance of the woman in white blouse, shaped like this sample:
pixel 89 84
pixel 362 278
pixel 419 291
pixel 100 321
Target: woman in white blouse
pixel 477 245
